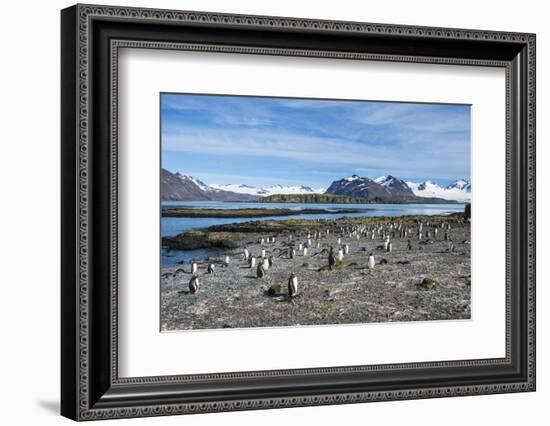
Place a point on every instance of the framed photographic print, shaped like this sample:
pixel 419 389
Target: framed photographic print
pixel 263 212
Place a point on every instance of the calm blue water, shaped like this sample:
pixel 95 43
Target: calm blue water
pixel 171 226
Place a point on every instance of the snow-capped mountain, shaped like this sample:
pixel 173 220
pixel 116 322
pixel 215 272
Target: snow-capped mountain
pixel 462 184
pixel 179 187
pixel 267 190
pixel 459 190
pixel 361 187
pixel 397 186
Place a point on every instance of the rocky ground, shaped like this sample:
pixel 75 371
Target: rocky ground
pixel 428 282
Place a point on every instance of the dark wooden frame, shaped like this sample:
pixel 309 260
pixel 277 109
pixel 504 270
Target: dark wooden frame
pixel 90 386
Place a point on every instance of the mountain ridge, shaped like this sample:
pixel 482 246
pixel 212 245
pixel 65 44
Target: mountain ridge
pixel 386 188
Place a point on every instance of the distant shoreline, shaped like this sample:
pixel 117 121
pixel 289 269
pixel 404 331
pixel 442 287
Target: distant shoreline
pixel 248 213
pixel 346 199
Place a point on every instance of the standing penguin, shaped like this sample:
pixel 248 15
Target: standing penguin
pixel 371 262
pixel 293 285
pixel 260 272
pixel 331 259
pixel 305 251
pixel 194 267
pixel 409 245
pixel 210 268
pixel 265 263
pixel 390 246
pixel 292 253
pixel 226 260
pixel 252 262
pixel 246 253
pixel 193 284
pixel 340 255
pixel 300 247
pixel 270 261
pixel 346 248
pixel 450 246
pixel 263 254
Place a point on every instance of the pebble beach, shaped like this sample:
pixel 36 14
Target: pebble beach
pixel 426 280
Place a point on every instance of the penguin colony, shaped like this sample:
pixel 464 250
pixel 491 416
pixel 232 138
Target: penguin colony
pixel 348 238
pixel 307 277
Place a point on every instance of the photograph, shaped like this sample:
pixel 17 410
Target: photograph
pixel 306 212
pixel 261 209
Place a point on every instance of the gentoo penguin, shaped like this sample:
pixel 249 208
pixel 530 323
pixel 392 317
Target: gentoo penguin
pixel 260 272
pixel 292 253
pixel 265 263
pixel 226 261
pixel 270 261
pixel 371 263
pixel 446 236
pixel 263 253
pixel 409 245
pixel 339 240
pixel 194 267
pixel 252 261
pixel 450 246
pixel 386 243
pixel 309 242
pixel 389 248
pixel 292 285
pixel 305 251
pixel 210 269
pixel 193 284
pixel 300 247
pixel 331 259
pixel 246 253
pixel 346 249
pixel 261 241
pixel 340 255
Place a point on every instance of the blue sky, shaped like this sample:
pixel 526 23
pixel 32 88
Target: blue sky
pixel 267 141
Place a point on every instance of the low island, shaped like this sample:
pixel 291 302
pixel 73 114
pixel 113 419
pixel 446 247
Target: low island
pixel 249 213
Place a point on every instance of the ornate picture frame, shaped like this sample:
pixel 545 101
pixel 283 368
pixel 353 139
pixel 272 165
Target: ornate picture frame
pixel 91 38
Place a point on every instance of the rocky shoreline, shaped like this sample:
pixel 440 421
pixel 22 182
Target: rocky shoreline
pixel 248 213
pixel 427 279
